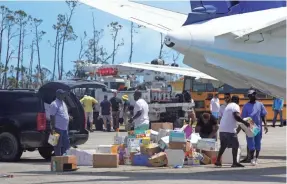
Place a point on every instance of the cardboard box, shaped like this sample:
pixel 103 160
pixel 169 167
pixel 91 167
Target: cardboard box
pixel 63 163
pixel 177 136
pixel 163 125
pixel 212 155
pixel 158 160
pixel 150 149
pixel 206 160
pixel 104 160
pixel 177 145
pixel 207 145
pixel 175 157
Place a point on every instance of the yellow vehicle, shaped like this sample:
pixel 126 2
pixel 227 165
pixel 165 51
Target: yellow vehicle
pixel 202 93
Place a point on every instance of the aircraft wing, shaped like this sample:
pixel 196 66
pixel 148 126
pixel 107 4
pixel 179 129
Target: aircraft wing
pixel 166 69
pixel 272 28
pixel 154 18
pixel 277 28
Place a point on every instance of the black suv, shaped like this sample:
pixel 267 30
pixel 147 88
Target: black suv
pixel 23 122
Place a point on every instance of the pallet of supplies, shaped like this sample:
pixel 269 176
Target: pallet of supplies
pixel 252 130
pixel 64 163
pixel 105 160
pixel 158 160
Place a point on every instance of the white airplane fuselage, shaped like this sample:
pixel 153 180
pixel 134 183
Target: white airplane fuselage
pixel 257 61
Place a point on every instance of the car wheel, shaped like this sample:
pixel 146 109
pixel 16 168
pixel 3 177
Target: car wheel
pixel 10 149
pixel 46 152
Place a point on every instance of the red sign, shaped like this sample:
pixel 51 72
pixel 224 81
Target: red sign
pixel 107 71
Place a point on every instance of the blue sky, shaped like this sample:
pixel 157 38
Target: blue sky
pixel 146 46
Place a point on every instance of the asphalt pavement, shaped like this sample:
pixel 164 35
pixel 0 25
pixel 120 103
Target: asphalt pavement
pixel 32 169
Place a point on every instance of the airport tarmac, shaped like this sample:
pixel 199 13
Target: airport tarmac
pixel 32 169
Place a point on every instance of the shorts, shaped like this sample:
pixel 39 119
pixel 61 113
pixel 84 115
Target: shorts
pixel 89 116
pixel 107 118
pixel 229 140
pixel 254 143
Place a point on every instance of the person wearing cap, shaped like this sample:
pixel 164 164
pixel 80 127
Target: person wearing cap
pixel 227 131
pixel 60 118
pixel 278 104
pixel 214 106
pixel 106 113
pixel 140 118
pixel 116 108
pixel 126 111
pixel 255 110
pixel 88 102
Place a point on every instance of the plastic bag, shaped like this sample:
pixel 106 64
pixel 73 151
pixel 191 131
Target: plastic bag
pixel 53 139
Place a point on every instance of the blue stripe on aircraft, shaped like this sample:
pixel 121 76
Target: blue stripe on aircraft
pixel 265 60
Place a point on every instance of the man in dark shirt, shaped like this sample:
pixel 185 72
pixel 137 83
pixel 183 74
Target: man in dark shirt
pixel 207 126
pixel 105 113
pixel 116 108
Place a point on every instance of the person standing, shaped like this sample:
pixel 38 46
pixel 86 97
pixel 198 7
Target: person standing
pixel 106 113
pixel 214 106
pixel 126 111
pixel 116 108
pixel 227 131
pixel 227 99
pixel 59 118
pixel 257 112
pixel 88 102
pixel 277 107
pixel 140 118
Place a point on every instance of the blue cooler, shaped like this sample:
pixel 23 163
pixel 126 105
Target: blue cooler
pixel 140 160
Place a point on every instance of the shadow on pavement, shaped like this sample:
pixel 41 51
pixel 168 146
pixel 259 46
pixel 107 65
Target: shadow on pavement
pixel 265 175
pixel 33 161
pixel 273 157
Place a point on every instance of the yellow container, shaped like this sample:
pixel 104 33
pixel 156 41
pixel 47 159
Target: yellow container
pixel 145 140
pixel 114 149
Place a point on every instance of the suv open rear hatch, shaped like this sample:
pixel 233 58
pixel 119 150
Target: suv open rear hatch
pixel 48 94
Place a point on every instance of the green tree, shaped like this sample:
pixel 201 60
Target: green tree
pixel 115 27
pixel 134 30
pixel 21 18
pixel 38 37
pixel 10 22
pixel 68 32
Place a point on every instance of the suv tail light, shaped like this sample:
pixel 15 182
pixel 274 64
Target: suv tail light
pixel 41 122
